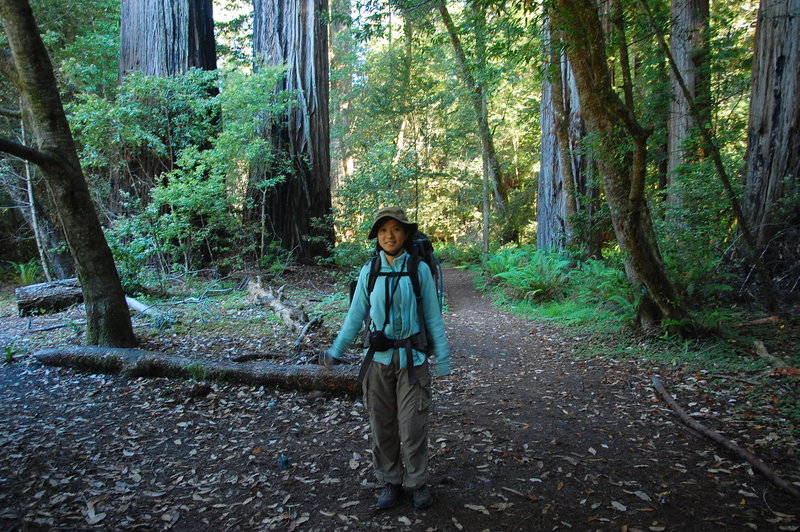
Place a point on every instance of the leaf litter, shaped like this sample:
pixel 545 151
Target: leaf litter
pixel 524 436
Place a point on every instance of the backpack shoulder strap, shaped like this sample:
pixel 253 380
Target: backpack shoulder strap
pixel 413 273
pixel 374 270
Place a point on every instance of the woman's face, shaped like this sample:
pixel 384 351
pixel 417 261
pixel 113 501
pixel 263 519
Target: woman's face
pixel 391 236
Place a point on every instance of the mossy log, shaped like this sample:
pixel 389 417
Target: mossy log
pixel 141 363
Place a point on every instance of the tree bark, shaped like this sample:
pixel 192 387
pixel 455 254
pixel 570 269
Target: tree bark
pixel 293 33
pixel 341 66
pixel 772 161
pixel 689 45
pixel 108 321
pixel 565 187
pixel 552 227
pixel 141 363
pixel 166 37
pixel 621 153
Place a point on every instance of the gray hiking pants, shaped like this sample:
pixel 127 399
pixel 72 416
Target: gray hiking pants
pixel 398 417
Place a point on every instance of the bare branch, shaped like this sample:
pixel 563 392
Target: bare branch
pixel 11 113
pixel 757 463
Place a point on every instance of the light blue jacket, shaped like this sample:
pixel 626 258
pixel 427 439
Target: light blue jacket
pixel 403 320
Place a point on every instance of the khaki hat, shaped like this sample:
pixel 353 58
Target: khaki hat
pixel 395 213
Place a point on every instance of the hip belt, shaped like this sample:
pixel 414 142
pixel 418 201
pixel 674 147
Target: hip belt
pixel 384 344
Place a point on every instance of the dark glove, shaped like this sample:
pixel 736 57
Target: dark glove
pixel 328 360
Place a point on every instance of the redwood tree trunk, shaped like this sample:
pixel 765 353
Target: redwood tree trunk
pixel 294 33
pixel 773 150
pixel 566 186
pixel 621 149
pixel 166 37
pixel 689 46
pixel 341 64
pixel 108 320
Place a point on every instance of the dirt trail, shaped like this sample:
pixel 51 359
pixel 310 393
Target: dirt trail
pixel 586 439
pixel 525 437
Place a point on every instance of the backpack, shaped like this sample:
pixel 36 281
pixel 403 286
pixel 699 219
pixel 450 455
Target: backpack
pixel 420 248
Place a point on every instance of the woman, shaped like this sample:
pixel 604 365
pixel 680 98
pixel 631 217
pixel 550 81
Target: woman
pixel 397 394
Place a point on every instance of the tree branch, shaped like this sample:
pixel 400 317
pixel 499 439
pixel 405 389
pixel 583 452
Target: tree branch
pixel 24 152
pixel 756 462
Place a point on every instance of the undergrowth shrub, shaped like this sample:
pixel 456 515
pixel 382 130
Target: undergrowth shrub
pixel 527 273
pixel 458 254
pixel 557 286
pixel 25 273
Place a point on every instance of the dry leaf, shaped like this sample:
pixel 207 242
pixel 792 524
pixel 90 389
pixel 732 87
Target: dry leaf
pixel 477 508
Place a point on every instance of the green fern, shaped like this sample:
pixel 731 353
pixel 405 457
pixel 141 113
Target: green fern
pixel 26 272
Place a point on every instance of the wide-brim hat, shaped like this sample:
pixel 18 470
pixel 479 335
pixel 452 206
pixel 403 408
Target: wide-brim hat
pixel 396 213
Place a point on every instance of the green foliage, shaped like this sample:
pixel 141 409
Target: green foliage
pixel 555 286
pixel 234 34
pixel 528 273
pixel 189 221
pixel 25 273
pixel 378 182
pixel 190 215
pixel 10 351
pixel 196 371
pixel 454 254
pixel 247 101
pixel 352 254
pixel 144 129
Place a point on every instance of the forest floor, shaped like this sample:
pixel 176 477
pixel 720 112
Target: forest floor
pixel 526 435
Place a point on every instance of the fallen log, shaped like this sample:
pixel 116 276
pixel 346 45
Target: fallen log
pixel 55 296
pixel 52 296
pixel 141 363
pixel 758 465
pixel 159 318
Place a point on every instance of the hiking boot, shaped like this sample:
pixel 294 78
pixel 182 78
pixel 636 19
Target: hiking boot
pixel 389 496
pixel 422 497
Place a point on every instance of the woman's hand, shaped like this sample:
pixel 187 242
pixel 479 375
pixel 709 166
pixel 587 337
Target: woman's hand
pixel 328 360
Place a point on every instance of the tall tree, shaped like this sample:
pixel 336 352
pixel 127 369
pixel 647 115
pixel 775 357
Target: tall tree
pixel 621 155
pixel 477 93
pixel 29 67
pixel 160 38
pixel 772 187
pixel 293 33
pixel 689 46
pixel 565 186
pixel 342 58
